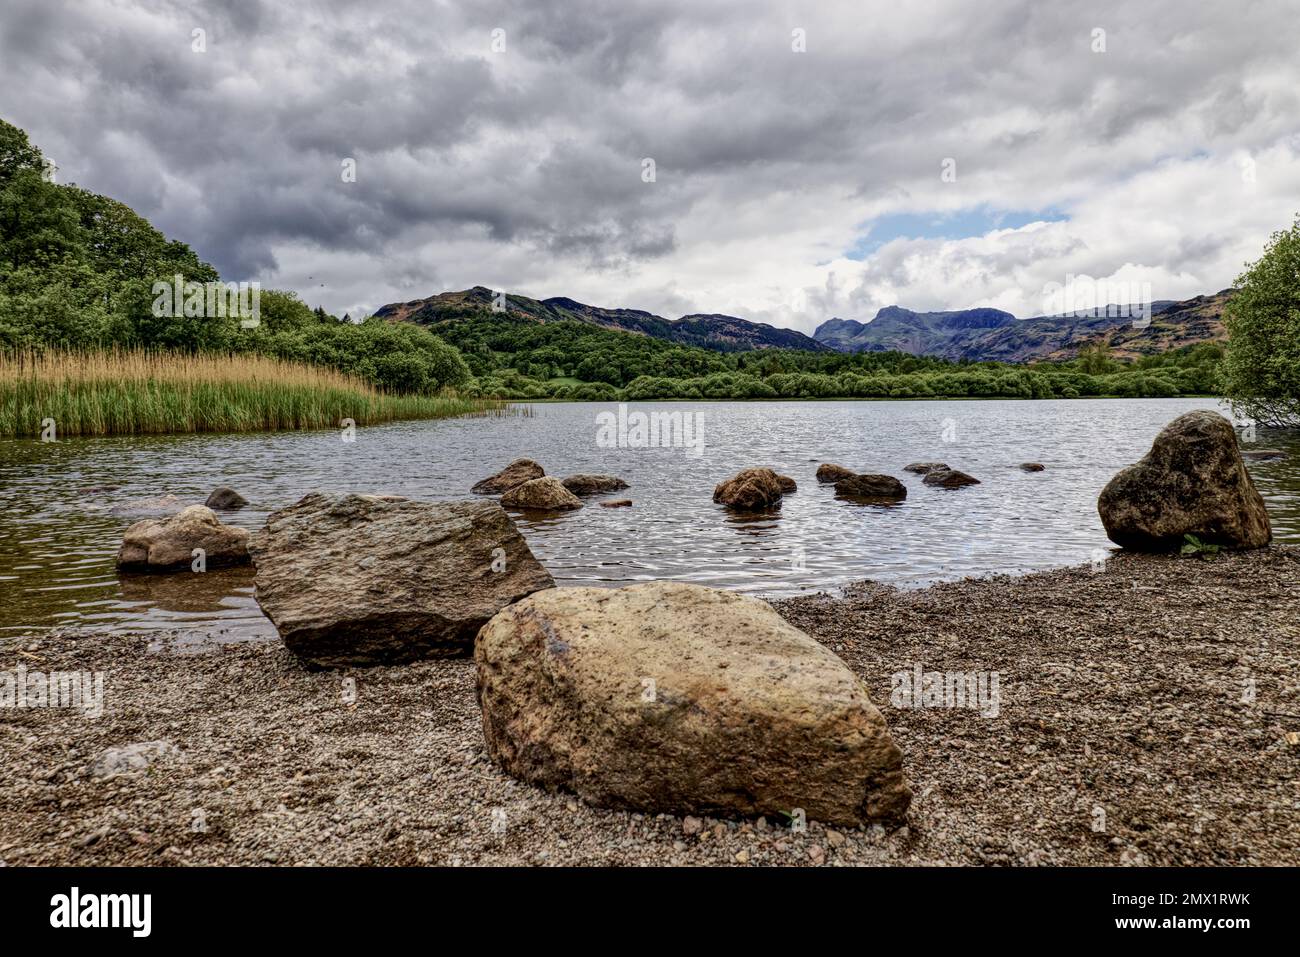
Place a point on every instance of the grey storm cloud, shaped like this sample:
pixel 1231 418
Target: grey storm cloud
pixel 524 166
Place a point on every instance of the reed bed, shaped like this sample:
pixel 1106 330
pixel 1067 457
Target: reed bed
pixel 120 392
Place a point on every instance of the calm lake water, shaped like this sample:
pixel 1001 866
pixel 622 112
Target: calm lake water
pixel 63 515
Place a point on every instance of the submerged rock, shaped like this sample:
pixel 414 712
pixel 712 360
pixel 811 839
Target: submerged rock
pixel 226 498
pixel 544 494
pixel 369 580
pixel 924 468
pixel 1031 466
pixel 872 487
pixel 617 503
pixel 592 484
pixel 1193 481
pixel 1263 455
pixel 949 478
pixel 751 490
pixel 829 473
pixel 516 473
pixel 668 697
pixel 160 545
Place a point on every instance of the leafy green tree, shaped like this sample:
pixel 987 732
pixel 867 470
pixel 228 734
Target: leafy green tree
pixel 1261 373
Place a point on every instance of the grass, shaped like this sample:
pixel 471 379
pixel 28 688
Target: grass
pixel 137 392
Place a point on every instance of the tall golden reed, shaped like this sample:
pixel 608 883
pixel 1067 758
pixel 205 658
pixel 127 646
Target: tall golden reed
pixel 119 392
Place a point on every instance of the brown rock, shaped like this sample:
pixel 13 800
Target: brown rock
pixel 367 580
pixel 751 490
pixel 924 468
pixel 669 697
pixel 1193 481
pixel 829 474
pixel 516 473
pixel 1031 466
pixel 226 498
pixel 159 545
pixel 592 484
pixel 949 478
pixel 617 503
pixel 871 486
pixel 788 485
pixel 543 494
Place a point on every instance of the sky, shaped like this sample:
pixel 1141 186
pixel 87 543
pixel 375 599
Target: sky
pixel 778 161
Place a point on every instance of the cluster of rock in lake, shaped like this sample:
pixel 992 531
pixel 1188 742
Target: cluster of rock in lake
pixel 658 696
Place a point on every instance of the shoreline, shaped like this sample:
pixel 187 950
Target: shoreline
pixel 1120 690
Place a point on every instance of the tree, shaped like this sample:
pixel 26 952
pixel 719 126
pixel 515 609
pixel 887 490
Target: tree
pixel 1262 368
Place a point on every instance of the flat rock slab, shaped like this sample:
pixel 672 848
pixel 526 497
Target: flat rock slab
pixel 168 545
pixel 668 697
pixel 371 580
pixel 1193 481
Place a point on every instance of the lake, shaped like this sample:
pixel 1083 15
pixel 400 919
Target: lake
pixel 62 517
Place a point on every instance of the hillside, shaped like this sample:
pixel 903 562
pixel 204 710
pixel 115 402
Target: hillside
pixel 990 335
pixel 717 332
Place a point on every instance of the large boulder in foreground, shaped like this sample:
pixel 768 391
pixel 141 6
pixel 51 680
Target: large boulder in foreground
pixel 164 545
pixel 371 580
pixel 592 484
pixel 1192 481
pixel 544 494
pixel 752 490
pixel 879 487
pixel 668 697
pixel 516 473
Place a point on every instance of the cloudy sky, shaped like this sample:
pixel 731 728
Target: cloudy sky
pixel 810 160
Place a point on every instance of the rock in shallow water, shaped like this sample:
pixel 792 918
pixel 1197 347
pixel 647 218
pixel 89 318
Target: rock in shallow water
pixel 672 697
pixel 226 498
pixel 752 490
pixel 516 473
pixel 829 473
pixel 871 487
pixel 162 545
pixel 368 580
pixel 925 468
pixel 949 478
pixel 592 484
pixel 1193 481
pixel 544 494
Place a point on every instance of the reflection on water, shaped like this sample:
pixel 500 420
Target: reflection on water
pixel 64 505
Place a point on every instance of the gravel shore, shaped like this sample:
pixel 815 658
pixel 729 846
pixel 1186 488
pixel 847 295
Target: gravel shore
pixel 1148 713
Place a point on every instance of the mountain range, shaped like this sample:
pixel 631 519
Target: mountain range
pixel 978 335
pixel 717 332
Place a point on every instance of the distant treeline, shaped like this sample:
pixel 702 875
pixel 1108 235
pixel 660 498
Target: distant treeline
pixel 514 358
